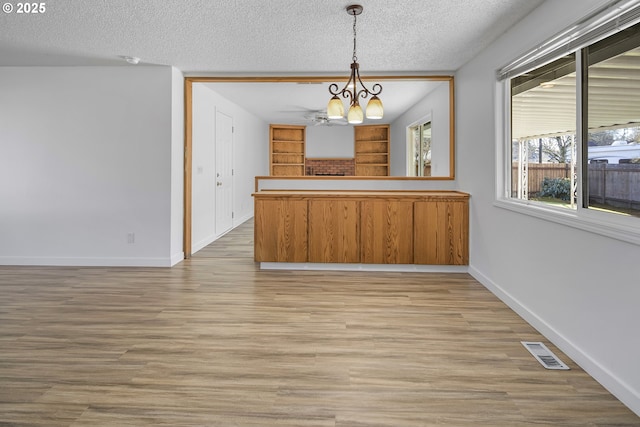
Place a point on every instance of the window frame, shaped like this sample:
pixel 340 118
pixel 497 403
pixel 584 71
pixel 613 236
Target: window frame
pixel 410 166
pixel 608 224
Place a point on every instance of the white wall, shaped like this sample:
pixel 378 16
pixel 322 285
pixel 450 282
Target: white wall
pixel 579 289
pixel 330 142
pixel 85 159
pixel 203 168
pixel 251 158
pixel 436 106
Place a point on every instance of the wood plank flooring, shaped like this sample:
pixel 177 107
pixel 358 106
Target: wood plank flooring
pixel 216 342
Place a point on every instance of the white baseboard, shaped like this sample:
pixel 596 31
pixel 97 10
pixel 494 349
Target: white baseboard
pixel 241 220
pixel 177 258
pixel 616 386
pixel 200 244
pixel 87 262
pixel 405 268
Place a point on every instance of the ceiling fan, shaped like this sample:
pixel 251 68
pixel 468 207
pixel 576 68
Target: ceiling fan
pixel 320 118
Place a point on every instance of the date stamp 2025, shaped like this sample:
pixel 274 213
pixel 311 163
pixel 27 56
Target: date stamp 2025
pixel 24 8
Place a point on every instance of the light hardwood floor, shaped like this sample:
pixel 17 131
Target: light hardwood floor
pixel 216 342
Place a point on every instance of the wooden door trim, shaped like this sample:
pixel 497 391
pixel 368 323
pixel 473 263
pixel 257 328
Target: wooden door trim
pixel 188 135
pixel 188 123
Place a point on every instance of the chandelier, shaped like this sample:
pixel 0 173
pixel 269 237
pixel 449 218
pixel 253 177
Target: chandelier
pixel 335 109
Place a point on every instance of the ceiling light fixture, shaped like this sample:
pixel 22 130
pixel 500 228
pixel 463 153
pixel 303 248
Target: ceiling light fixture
pixel 335 108
pixel 131 59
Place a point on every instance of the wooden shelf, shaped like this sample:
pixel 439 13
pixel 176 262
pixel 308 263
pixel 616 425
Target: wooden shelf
pixel 286 150
pixel 372 150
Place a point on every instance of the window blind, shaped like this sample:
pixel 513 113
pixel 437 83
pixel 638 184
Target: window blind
pixel 609 19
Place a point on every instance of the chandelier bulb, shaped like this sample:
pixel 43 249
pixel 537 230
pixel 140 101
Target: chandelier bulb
pixel 355 115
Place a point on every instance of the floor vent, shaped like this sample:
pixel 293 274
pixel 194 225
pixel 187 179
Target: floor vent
pixel 544 355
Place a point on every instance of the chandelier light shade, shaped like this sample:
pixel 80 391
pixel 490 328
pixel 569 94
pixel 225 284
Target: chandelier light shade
pixel 374 108
pixel 351 91
pixel 335 109
pixel 355 115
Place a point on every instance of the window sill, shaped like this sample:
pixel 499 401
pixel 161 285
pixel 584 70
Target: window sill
pixel 606 224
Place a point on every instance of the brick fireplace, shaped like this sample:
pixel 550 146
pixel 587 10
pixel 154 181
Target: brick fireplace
pixel 330 167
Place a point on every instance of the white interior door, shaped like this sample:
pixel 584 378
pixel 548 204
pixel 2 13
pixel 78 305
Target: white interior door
pixel 224 173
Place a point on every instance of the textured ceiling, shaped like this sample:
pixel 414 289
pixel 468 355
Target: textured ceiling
pixel 258 37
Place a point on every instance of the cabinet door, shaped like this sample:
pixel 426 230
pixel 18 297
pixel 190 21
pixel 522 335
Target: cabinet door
pixel 334 231
pixel 387 232
pixel 441 232
pixel 280 230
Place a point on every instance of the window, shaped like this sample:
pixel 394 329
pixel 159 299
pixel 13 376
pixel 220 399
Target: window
pixel 543 129
pixel 573 141
pixel 612 123
pixel 420 149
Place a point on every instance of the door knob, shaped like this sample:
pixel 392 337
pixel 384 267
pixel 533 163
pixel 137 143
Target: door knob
pixel 218 183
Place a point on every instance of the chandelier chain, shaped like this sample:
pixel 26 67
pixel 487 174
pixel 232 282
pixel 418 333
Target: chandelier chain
pixel 355 58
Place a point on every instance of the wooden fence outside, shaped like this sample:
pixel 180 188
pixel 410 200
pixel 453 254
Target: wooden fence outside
pixel 539 171
pixel 613 184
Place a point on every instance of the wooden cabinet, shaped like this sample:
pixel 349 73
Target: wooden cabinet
pixel 441 232
pixel 387 236
pixel 287 150
pixel 280 233
pixel 334 230
pixel 369 227
pixel 372 150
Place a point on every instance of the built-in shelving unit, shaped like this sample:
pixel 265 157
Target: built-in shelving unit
pixel 287 150
pixel 372 150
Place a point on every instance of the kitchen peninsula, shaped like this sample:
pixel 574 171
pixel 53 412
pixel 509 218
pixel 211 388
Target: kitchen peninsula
pixel 362 227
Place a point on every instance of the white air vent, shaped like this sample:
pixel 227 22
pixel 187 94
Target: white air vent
pixel 544 355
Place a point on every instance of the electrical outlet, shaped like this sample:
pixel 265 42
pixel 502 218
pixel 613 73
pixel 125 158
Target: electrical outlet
pixel 131 238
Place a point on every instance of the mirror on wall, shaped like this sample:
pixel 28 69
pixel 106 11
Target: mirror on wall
pixel 409 102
